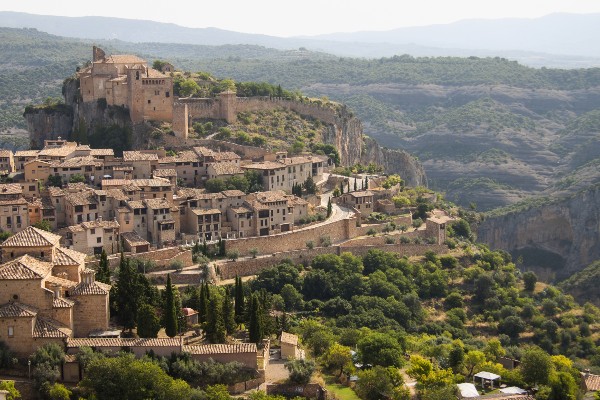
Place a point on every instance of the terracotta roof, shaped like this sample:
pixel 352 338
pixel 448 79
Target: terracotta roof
pixel 271 196
pixel 221 348
pixel 122 168
pixel 63 151
pixel 182 156
pixel 64 256
pixel 205 211
pixel 14 202
pixel 592 382
pixel 60 281
pixel 117 194
pixel 156 182
pixel 133 239
pixel 46 327
pixel 100 224
pixel 10 188
pixel 61 302
pixel 25 267
pixel 264 165
pixel 55 191
pixel 82 147
pixel 102 152
pixel 73 187
pixel 154 73
pixel 123 59
pixel 16 309
pixel 233 193
pixel 226 168
pixel 241 210
pixel 157 203
pixel 115 182
pixel 133 204
pixel 86 289
pixel 122 342
pixel 27 153
pixel 289 338
pixel 80 162
pixel 188 311
pixel 81 198
pixel 225 155
pixel 5 153
pixel 203 151
pixel 139 156
pixel 164 172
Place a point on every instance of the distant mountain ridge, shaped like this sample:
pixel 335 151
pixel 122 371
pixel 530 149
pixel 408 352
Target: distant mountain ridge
pixel 538 42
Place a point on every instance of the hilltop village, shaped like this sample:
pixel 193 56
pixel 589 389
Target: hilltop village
pixel 139 257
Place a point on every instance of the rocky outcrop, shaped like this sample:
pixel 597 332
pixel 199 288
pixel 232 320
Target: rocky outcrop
pixel 555 239
pixel 394 161
pixel 44 123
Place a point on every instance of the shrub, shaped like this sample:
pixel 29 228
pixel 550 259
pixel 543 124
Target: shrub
pixel 325 241
pixel 176 265
pixel 404 240
pixel 253 252
pixel 310 245
pixel 389 240
pixel 233 255
pixel 371 232
pixel 300 370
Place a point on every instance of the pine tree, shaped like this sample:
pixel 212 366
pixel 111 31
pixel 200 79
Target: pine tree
pixel 169 312
pixel 255 326
pixel 355 184
pixel 215 325
pixel 239 299
pixel 127 294
pixel 228 314
pixel 103 274
pixel 329 208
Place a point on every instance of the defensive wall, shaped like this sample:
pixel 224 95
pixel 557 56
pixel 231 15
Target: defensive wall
pixel 161 257
pixel 253 266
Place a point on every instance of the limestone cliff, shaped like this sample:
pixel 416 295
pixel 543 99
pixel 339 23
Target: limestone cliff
pixel 554 239
pixel 44 123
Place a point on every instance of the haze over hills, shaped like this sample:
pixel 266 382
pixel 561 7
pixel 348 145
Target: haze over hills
pixel 558 40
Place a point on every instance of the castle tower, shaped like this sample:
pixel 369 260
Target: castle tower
pixel 136 93
pixel 227 109
pixel 98 54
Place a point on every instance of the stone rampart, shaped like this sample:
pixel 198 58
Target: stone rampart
pixel 296 240
pixel 162 257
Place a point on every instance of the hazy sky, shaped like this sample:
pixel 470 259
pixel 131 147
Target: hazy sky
pixel 304 17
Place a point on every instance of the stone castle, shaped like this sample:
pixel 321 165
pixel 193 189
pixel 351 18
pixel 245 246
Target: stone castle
pixel 127 81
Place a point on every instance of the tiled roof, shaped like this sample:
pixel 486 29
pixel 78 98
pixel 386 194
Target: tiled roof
pixel 182 156
pixel 14 202
pixel 64 256
pixel 139 156
pixel 27 153
pixel 31 237
pixel 122 59
pixel 592 382
pixel 5 153
pixel 233 193
pixel 164 172
pixel 133 239
pixel 100 224
pixel 240 210
pixel 203 151
pixel 226 168
pixel 153 73
pixel 190 193
pixel 117 194
pixel 133 204
pixel 76 187
pixel 85 289
pixel 16 309
pixel 122 342
pixel 225 155
pixel 25 267
pixel 156 182
pixel 289 338
pixel 10 188
pixel 60 281
pixel 157 203
pixel 80 162
pixel 122 168
pixel 264 165
pixel 61 302
pixel 115 182
pixel 55 191
pixel 271 196
pixel 205 211
pixel 56 151
pixel 221 348
pixel 81 198
pixel 102 152
pixel 46 327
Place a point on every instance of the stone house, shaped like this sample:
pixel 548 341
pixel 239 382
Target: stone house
pixel 7 161
pixel 143 163
pixel 360 200
pixel 23 156
pixel 92 237
pixel 187 165
pixel 89 167
pixel 166 173
pixel 284 173
pixel 205 223
pixel 162 225
pixel 134 243
pixel 37 170
pixel 273 212
pixel 31 241
pixel 240 221
pixel 127 81
pixel 289 346
pixel 14 210
pixel 436 227
pixel 223 170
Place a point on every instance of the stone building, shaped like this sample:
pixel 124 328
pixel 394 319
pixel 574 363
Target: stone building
pixel 14 211
pixel 289 346
pixel 47 299
pixel 92 237
pixel 360 200
pixel 127 81
pixel 7 161
pixel 284 173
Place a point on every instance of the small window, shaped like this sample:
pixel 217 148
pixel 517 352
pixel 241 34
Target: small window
pixel 167 94
pixel 98 240
pixel 15 296
pixel 11 331
pixel 149 101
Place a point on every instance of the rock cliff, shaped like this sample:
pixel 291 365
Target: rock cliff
pixel 43 124
pixel 555 239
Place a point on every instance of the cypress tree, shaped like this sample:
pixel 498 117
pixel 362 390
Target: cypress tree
pixel 366 185
pixel 148 323
pixel 170 313
pixel 203 304
pixel 195 298
pixel 103 274
pixel 255 326
pixel 348 185
pixel 355 184
pixel 127 295
pixel 342 187
pixel 329 208
pixel 215 325
pixel 228 314
pixel 239 299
